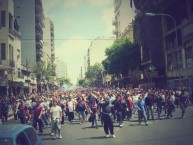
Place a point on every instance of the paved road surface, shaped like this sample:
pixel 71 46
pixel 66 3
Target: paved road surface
pixel 159 132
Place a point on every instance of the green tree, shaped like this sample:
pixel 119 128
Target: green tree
pixel 66 81
pixel 122 57
pixel 45 72
pixel 81 82
pixel 93 73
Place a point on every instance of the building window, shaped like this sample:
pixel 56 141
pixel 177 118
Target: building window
pixel 10 52
pixel 19 73
pixel 3 51
pixel 10 21
pixel 3 18
pixel 169 62
pixel 189 56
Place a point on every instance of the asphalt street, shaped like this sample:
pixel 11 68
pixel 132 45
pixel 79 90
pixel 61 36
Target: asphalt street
pixel 175 131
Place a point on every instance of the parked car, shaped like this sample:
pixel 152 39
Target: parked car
pixel 18 134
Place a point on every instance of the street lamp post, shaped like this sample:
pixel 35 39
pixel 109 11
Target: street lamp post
pixel 176 35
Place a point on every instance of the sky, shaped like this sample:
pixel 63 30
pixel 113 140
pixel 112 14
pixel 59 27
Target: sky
pixel 76 24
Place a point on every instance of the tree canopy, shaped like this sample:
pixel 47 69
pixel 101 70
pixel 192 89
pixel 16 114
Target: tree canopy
pixel 66 81
pixel 122 57
pixel 93 75
pixel 45 72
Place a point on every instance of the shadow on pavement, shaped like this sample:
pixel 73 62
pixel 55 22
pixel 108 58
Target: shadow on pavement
pixel 97 137
pixel 49 138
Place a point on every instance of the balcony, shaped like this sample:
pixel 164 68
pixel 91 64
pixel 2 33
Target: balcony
pixel 11 33
pixel 12 63
pixel 39 44
pixel 39 35
pixel 38 2
pixel 115 22
pixel 115 31
pixel 39 53
pixel 52 27
pixel 38 17
pixel 53 56
pixel 52 49
pixel 117 4
pixel 42 23
pixel 52 44
pixel 52 33
pixel 39 25
pixel 38 9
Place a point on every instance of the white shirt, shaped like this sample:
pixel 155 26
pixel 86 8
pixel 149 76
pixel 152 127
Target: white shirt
pixel 70 106
pixel 56 112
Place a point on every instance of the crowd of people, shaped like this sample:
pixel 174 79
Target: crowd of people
pixel 93 105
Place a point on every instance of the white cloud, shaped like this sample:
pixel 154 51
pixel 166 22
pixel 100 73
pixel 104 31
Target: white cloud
pixel 72 3
pixel 99 2
pixel 72 52
pixel 49 4
pixel 108 16
pixel 68 22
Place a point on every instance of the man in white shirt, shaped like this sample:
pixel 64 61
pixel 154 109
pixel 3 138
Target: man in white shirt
pixel 70 108
pixel 56 116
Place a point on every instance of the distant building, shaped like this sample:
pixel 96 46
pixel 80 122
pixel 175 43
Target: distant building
pixel 97 48
pixel 48 41
pixel 123 20
pixel 61 69
pixel 31 22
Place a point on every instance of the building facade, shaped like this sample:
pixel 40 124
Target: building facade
pixel 175 20
pixel 61 69
pixel 124 16
pixel 48 41
pixel 31 22
pixel 12 81
pixel 97 49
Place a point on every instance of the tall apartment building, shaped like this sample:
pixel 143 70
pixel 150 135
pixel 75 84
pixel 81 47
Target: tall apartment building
pixel 124 16
pixel 10 49
pixel 48 39
pixel 31 22
pixel 61 69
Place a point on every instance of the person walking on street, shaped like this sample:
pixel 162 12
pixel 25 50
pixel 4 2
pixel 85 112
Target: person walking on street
pixel 170 105
pixel 159 105
pixel 183 101
pixel 107 112
pixel 21 112
pixel 56 116
pixel 38 117
pixel 149 105
pixel 130 107
pixel 94 111
pixel 141 110
pixel 70 108
pixel 80 109
pixel 121 108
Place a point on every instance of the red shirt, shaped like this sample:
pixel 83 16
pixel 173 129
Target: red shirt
pixel 39 109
